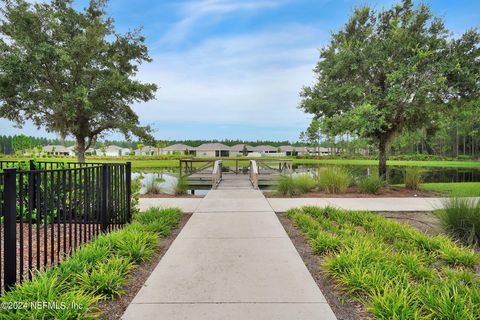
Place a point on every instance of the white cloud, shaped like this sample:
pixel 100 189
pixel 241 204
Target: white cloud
pixel 207 11
pixel 248 79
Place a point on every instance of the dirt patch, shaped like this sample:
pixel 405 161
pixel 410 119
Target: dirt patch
pixel 343 308
pixel 114 309
pixel 352 192
pixel 166 195
pixel 426 222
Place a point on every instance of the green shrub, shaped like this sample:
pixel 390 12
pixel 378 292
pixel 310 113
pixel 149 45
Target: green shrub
pixel 158 220
pixel 294 185
pixel 413 178
pixel 325 243
pixel 395 271
pixel 153 186
pixel 134 245
pixel 371 184
pixel 182 186
pixel 461 218
pixel 334 179
pixel 107 278
pixel 49 287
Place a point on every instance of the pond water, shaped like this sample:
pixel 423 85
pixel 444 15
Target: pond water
pixel 166 179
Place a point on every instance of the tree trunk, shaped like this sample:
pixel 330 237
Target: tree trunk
pixel 80 149
pixel 382 160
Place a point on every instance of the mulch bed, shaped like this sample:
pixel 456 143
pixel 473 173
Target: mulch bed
pixel 352 192
pixel 114 309
pixel 62 244
pixel 166 195
pixel 343 308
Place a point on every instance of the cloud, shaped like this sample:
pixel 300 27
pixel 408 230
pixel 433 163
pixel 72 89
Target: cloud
pixel 208 11
pixel 249 79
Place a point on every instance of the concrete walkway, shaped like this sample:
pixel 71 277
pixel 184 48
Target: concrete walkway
pixel 232 260
pixel 283 204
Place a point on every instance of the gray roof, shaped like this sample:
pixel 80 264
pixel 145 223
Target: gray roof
pixel 212 146
pixel 239 147
pixel 264 148
pixel 177 147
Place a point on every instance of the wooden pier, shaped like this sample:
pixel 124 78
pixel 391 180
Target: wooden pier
pixel 211 173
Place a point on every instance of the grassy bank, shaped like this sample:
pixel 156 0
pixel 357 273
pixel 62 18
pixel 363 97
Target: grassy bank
pixel 96 271
pixel 466 189
pixel 393 270
pixel 400 163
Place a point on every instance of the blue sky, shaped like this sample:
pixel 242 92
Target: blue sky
pixel 233 69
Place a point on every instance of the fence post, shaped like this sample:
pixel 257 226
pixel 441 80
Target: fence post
pixel 32 186
pixel 128 185
pixel 105 198
pixel 10 227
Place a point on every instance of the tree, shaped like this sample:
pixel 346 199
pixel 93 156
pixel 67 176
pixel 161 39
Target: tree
pixel 70 72
pixel 381 74
pixel 313 134
pixel 160 145
pixel 244 150
pixel 21 143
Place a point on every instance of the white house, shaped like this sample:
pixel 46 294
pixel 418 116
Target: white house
pixel 145 151
pixel 213 150
pixel 115 151
pixel 56 150
pixel 178 148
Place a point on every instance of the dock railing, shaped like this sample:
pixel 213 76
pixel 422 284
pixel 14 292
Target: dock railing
pixel 216 174
pixel 254 173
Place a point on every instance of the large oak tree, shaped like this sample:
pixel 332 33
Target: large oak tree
pixel 385 72
pixel 70 71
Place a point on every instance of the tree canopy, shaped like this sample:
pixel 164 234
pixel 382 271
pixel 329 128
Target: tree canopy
pixel 70 71
pixel 390 71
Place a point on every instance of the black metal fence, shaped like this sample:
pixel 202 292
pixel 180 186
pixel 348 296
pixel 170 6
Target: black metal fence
pixel 48 209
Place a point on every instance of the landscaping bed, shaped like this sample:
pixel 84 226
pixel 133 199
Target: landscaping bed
pixel 166 195
pixel 353 192
pixel 114 309
pixel 370 267
pixel 102 270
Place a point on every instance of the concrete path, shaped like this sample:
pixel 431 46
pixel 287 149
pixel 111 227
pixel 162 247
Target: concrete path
pixel 232 260
pixel 283 204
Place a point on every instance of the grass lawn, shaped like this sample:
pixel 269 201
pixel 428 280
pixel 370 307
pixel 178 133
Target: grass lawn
pixel 455 164
pixel 146 163
pixel 393 270
pixel 467 189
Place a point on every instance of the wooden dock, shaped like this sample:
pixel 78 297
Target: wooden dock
pixel 213 173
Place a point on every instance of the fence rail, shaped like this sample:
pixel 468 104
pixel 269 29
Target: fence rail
pixel 48 209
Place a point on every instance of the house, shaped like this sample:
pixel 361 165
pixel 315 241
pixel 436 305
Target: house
pixel 321 151
pixel 115 151
pixel 293 150
pixel 145 151
pixel 178 148
pixel 56 150
pixel 240 149
pixel 213 150
pixel 72 150
pixel 265 150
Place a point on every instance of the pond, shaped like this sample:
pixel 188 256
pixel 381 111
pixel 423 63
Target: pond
pixel 166 179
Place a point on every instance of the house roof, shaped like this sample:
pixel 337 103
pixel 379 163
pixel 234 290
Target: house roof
pixel 177 147
pixel 239 147
pixel 212 146
pixel 264 148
